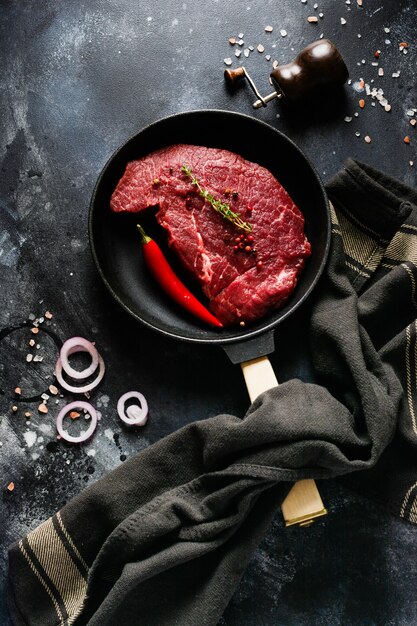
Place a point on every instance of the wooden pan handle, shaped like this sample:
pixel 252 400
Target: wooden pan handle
pixel 303 503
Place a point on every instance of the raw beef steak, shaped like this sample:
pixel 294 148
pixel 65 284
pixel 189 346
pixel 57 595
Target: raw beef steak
pixel 242 283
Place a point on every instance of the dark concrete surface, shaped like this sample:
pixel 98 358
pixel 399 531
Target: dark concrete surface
pixel 77 79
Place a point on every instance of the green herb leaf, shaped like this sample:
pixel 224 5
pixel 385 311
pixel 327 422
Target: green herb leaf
pixel 221 207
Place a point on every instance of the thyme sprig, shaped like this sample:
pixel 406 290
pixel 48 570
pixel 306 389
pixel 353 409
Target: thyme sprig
pixel 221 207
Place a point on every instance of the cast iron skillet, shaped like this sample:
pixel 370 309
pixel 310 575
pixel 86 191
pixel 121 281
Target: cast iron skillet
pixel 115 242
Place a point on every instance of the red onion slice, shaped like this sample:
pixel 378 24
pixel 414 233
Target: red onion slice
pixel 78 344
pixel 78 404
pixel 133 415
pixel 84 388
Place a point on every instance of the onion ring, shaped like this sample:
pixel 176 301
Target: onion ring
pixel 134 415
pixel 78 344
pixel 78 404
pixel 84 388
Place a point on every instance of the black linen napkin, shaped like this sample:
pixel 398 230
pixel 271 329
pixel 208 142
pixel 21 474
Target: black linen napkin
pixel 165 538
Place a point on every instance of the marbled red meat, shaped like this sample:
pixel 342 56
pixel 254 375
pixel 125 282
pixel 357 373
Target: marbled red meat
pixel 238 287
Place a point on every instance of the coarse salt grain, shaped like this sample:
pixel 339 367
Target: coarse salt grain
pixel 413 122
pixel 367 139
pixel 348 119
pixel 268 29
pixel 29 358
pixel 42 408
pixel 228 61
pixel 232 41
pixel 343 21
pixel 312 19
pixel 380 71
pixel 387 108
pixel 260 48
pixel 283 33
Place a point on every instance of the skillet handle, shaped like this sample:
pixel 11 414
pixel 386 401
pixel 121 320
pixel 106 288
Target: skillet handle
pixel 303 503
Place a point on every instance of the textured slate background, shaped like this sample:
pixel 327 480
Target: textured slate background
pixel 77 79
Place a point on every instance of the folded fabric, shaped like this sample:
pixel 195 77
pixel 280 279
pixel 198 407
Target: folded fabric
pixel 165 538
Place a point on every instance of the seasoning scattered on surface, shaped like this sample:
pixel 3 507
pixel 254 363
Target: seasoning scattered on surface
pixel 74 415
pixel 342 21
pixel 48 315
pixel 232 41
pixel 42 408
pixel 10 487
pixel 14 408
pixel 228 61
pixel 367 139
pixel 361 103
pixel 54 390
pixel 312 19
pixel 34 330
pixel 260 48
pixel 268 29
pixel 18 391
pixel 406 139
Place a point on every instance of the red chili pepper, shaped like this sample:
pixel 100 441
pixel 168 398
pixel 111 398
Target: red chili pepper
pixel 170 283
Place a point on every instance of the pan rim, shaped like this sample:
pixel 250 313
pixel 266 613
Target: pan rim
pixel 245 335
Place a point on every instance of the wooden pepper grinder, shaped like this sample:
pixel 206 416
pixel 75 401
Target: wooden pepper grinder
pixel 318 67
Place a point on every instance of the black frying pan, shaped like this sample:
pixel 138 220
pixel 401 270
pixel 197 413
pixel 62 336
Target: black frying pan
pixel 116 250
pixel 115 242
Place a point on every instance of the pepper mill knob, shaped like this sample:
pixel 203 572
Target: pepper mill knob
pixel 319 66
pixel 233 76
